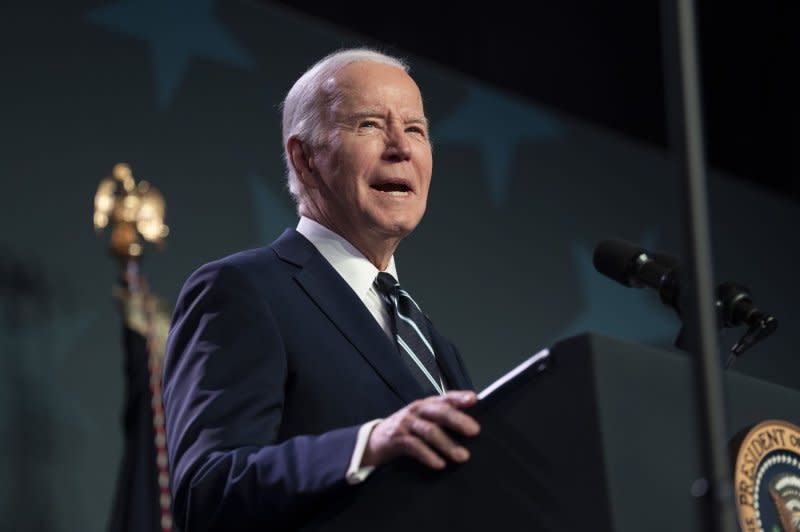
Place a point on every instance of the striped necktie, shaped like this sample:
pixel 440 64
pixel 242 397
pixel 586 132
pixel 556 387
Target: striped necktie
pixel 412 334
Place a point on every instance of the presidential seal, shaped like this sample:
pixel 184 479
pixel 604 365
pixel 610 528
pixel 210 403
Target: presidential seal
pixel 767 478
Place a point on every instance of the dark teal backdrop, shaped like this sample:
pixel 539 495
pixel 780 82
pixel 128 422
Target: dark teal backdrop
pixel 187 93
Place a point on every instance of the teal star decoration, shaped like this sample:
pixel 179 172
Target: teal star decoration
pixel 498 123
pixel 177 32
pixel 272 213
pixel 635 314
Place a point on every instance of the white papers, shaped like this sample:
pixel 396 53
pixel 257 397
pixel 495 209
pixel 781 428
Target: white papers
pixel 539 357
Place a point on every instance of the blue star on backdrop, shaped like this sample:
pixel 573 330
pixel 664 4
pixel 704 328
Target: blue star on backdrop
pixel 272 213
pixel 498 124
pixel 177 32
pixel 615 310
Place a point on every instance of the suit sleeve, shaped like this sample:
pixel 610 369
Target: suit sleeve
pixel 224 377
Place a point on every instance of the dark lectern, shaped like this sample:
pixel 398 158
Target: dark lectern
pixel 602 436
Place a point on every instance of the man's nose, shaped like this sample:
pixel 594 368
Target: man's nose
pixel 398 147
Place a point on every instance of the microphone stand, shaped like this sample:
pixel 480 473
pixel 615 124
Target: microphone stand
pixel 686 136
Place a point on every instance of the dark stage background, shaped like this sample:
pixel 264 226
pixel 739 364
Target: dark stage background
pixel 548 131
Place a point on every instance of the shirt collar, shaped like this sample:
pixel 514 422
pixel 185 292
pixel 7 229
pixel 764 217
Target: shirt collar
pixel 351 264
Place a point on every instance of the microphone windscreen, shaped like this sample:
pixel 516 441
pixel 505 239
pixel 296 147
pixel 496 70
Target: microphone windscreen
pixel 615 258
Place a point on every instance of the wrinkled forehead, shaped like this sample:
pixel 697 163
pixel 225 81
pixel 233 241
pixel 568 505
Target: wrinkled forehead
pixel 373 87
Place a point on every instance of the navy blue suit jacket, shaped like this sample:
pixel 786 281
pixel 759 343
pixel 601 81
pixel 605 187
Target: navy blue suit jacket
pixel 272 365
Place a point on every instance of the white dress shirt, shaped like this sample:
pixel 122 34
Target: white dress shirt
pixel 359 273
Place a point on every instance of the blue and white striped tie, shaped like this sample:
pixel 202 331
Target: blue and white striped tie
pixel 412 334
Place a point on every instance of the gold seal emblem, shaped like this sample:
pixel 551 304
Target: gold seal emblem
pixel 767 478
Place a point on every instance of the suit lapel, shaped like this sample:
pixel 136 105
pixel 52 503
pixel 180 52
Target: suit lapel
pixel 343 307
pixel 448 363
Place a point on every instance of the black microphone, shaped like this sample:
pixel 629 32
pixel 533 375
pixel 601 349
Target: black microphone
pixel 735 307
pixel 636 267
pixel 633 266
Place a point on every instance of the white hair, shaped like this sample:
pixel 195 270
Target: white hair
pixel 303 106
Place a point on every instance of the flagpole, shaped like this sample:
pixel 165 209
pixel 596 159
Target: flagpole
pixel 135 211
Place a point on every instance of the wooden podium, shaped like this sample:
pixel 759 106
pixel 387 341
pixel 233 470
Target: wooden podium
pixel 603 438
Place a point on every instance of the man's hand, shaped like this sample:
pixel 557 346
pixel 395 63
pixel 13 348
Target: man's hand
pixel 419 430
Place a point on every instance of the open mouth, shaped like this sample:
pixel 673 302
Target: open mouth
pixel 393 188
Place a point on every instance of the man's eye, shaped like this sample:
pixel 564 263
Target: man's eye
pixel 368 124
pixel 415 129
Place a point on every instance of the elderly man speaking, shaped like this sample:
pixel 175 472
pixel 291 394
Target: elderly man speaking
pixel 292 371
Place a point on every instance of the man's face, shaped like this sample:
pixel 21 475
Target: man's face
pixel 375 162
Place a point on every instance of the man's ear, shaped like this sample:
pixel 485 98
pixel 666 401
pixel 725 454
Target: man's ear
pixel 302 161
